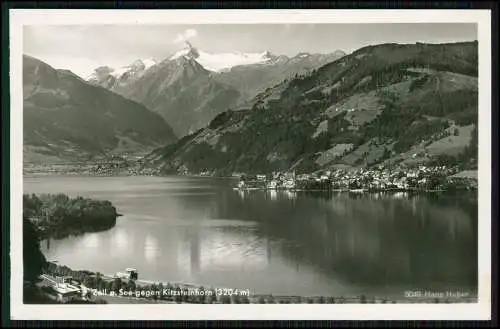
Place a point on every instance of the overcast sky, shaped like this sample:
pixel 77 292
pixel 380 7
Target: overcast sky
pixel 82 48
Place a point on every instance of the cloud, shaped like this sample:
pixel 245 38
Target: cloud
pixel 186 35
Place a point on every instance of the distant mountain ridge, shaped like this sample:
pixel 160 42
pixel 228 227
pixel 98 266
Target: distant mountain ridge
pixel 191 87
pixel 183 92
pixel 389 104
pixel 110 78
pixel 221 61
pixel 67 118
pixel 252 79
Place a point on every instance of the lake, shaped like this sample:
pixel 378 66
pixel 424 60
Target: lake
pixel 199 230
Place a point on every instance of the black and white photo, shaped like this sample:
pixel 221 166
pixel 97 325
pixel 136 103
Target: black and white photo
pixel 336 161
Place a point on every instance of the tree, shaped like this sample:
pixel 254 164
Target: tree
pixel 86 280
pixel 236 299
pixel 202 296
pixel 160 289
pixel 225 299
pixel 116 285
pixel 185 295
pixel 178 294
pixel 34 261
pixel 212 297
pixel 386 154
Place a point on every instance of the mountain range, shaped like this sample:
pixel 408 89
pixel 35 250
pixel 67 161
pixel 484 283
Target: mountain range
pixel 66 118
pixel 191 87
pixel 390 104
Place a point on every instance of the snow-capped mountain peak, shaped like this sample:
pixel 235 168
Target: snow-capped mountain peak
pixel 221 61
pixel 188 52
pixel 137 68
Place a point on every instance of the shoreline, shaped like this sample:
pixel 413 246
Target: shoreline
pixel 354 191
pixel 351 191
pixel 230 296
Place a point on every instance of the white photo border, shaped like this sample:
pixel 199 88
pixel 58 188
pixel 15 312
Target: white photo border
pixel 469 311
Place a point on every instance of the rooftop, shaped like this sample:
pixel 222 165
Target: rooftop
pixel 64 288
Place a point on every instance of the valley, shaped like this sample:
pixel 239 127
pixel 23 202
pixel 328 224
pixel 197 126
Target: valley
pixel 389 106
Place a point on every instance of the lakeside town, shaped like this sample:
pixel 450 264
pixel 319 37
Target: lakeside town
pixel 438 178
pixel 378 178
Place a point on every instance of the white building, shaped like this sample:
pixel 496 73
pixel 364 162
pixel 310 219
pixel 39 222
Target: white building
pixel 272 184
pixel 65 291
pixel 61 290
pixel 129 274
pixel 289 184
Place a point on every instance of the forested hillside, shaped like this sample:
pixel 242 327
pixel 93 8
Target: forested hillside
pixel 385 104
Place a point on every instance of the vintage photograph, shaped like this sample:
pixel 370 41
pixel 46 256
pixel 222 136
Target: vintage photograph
pixel 265 163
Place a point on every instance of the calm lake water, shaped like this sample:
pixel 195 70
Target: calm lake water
pixel 200 230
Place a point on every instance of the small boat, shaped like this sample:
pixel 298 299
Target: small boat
pixel 358 190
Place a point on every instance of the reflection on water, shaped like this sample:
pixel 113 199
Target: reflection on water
pixel 90 240
pixel 290 194
pixel 400 195
pixel 120 240
pixel 200 230
pixel 272 195
pixel 150 248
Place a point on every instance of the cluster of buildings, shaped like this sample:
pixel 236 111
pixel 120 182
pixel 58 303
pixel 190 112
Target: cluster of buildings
pixel 381 178
pixel 63 288
pixel 378 178
pixel 275 181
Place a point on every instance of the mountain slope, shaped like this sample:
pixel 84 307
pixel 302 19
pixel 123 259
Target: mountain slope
pixel 384 104
pixel 191 87
pixel 64 117
pixel 250 80
pixel 182 92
